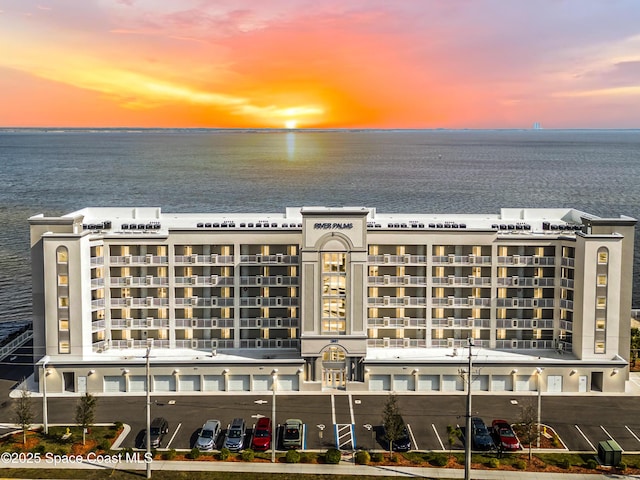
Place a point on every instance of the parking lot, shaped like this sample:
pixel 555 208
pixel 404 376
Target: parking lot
pixel 341 419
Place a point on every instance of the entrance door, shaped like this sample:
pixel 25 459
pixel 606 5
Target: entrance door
pixel 82 385
pixel 334 368
pixel 582 383
pixel 69 381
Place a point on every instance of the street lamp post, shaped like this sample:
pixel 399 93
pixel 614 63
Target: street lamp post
pixel 274 438
pixel 467 442
pixel 539 370
pixel 148 435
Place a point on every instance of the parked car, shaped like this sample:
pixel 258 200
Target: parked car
pixel 504 436
pixel 262 435
pixel 480 436
pixel 208 435
pixel 403 442
pixel 236 432
pixel 292 437
pixel 159 428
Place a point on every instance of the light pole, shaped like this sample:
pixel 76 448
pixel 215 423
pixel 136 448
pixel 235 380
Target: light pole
pixel 274 438
pixel 467 439
pixel 148 435
pixel 539 370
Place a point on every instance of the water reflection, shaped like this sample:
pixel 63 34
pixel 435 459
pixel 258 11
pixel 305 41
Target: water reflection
pixel 291 145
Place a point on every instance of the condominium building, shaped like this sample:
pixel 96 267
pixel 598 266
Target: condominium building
pixel 320 298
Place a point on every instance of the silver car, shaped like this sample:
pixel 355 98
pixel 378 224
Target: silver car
pixel 234 439
pixel 208 435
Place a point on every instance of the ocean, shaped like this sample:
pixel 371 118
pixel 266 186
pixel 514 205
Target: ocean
pixel 54 172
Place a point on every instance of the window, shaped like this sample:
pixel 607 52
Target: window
pixel 601 302
pixel 600 324
pixel 600 347
pixel 64 325
pixel 62 255
pixel 602 280
pixel 603 257
pixel 63 302
pixel 64 347
pixel 334 292
pixel 63 280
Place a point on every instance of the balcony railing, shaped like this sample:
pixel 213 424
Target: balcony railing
pixel 196 259
pixel 284 322
pixel 517 302
pixel 519 282
pixel 457 343
pixel 204 281
pixel 525 344
pixel 396 343
pixel 146 281
pixel 453 322
pixel 457 302
pixel 195 322
pixel 468 281
pixel 524 323
pixel 387 259
pixel 146 302
pixel 276 259
pixel 396 301
pixel 201 344
pixel 270 343
pixel 396 322
pixel 278 280
pixel 137 323
pixel 526 260
pixel 122 260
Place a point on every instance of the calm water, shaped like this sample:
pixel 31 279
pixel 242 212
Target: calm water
pixel 222 171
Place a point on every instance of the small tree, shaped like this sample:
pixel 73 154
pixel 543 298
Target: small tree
pixel 635 345
pixel 453 434
pixel 392 421
pixel 24 411
pixel 85 413
pixel 529 425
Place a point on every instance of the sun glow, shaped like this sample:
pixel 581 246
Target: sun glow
pixel 290 124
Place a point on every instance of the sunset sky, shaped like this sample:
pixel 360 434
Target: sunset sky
pixel 320 63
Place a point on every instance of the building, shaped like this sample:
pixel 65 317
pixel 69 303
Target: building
pixel 329 298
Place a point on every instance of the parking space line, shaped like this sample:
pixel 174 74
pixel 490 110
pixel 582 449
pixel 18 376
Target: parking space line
pixel 632 433
pixel 607 433
pixel 437 436
pixel 353 421
pixel 585 437
pixel 413 439
pixel 174 435
pixel 333 409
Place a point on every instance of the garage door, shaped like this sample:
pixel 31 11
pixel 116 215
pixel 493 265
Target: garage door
pixel 114 384
pixel 554 383
pixel 501 383
pixel 239 383
pixel 525 383
pixel 262 383
pixel 164 383
pixel 213 383
pixel 480 383
pixel 137 383
pixel 190 383
pixel 429 383
pixel 403 383
pixel 379 383
pixel 287 383
pixel 452 383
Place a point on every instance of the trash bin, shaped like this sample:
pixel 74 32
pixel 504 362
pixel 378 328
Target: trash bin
pixel 609 453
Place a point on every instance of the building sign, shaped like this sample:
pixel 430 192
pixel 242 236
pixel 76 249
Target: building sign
pixel 331 226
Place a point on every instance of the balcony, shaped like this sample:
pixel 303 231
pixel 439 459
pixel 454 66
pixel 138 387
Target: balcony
pixel 568 262
pixel 204 281
pixel 146 302
pixel 270 343
pixel 460 302
pixel 396 343
pixel 138 282
pixel 388 259
pixel 524 323
pixel 517 302
pixel 277 259
pixel 284 322
pixel 212 259
pixel 140 260
pixel 517 281
pixel 269 302
pixel 201 344
pixel 468 281
pixel 204 302
pixel 524 344
pixel 526 260
pixel 396 301
pixel 278 280
pixel 396 322
pixel 97 326
pixel 453 322
pixel 139 323
pixel 457 343
pixel 122 344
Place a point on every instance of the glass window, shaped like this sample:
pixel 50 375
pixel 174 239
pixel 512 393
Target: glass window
pixel 62 255
pixel 64 347
pixel 63 280
pixel 603 257
pixel 600 347
pixel 601 302
pixel 63 302
pixel 600 324
pixel 602 280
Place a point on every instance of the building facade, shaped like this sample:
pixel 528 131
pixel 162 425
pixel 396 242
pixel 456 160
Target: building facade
pixel 323 298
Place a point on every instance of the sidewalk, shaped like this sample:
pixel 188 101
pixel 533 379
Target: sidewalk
pixel 341 469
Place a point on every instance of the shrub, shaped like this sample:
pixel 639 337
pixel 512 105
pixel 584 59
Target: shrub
pixel 118 425
pixel 224 454
pixel 393 458
pixel 247 455
pixel 292 456
pixel 40 448
pixel 592 464
pixel 104 445
pixel 362 457
pixel 565 463
pixel 520 464
pixel 169 455
pixel 193 454
pixel 377 457
pixel 438 461
pixel 622 466
pixel 493 463
pixel 556 441
pixel 306 458
pixel 333 456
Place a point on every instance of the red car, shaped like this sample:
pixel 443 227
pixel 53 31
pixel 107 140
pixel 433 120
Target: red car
pixel 261 435
pixel 504 436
